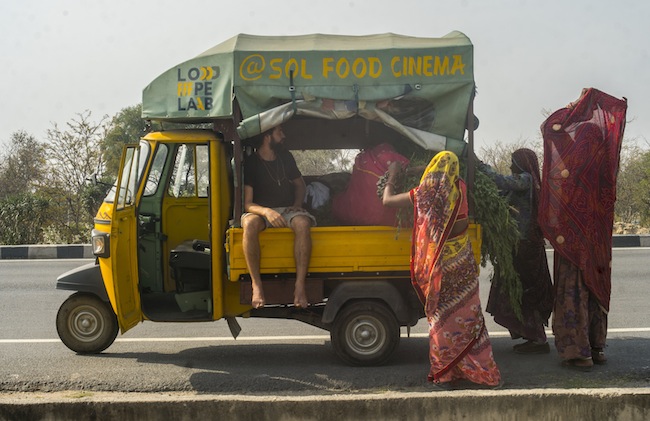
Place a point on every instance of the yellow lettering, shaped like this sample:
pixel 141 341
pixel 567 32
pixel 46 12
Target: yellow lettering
pixel 251 67
pixel 184 88
pixel 415 66
pixel 393 67
pixel 303 69
pixel 374 67
pixel 441 67
pixel 199 103
pixel 343 68
pixel 275 64
pixel 458 66
pixel 327 66
pixel 427 66
pixel 359 68
pixel 291 66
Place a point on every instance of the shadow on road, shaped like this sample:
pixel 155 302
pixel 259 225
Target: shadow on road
pixel 306 369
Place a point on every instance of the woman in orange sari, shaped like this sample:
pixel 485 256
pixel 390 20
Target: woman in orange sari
pixel 445 275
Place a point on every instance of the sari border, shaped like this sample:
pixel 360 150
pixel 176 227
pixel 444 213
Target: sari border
pixel 459 357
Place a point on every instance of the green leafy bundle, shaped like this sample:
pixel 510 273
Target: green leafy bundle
pixel 500 236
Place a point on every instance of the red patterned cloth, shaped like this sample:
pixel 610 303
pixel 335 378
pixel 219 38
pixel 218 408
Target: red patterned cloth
pixel 582 143
pixel 445 276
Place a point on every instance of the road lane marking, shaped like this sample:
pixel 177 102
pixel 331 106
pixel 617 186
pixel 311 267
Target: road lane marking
pixel 498 334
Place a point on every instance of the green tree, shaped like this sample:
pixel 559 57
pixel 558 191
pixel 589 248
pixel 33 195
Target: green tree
pixel 644 196
pixel 633 185
pixel 74 157
pixel 22 218
pixel 23 212
pixel 23 165
pixel 125 127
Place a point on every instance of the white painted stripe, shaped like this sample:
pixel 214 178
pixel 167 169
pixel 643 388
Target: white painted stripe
pixel 230 339
pixel 614 249
pixel 279 338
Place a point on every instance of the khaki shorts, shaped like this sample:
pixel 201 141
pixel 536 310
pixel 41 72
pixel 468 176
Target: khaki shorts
pixel 287 214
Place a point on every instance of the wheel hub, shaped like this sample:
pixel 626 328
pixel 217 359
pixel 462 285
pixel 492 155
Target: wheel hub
pixel 365 335
pixel 86 325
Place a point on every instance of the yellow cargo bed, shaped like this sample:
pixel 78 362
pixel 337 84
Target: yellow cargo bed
pixel 335 249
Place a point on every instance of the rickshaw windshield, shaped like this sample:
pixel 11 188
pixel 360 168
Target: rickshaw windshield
pixel 145 149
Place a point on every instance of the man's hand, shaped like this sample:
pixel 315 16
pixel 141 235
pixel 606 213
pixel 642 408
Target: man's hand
pixel 275 219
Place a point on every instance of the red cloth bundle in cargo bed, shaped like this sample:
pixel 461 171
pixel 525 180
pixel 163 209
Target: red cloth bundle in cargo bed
pixel 359 204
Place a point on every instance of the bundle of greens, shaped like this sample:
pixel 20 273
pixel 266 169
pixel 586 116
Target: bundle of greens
pixel 406 179
pixel 500 236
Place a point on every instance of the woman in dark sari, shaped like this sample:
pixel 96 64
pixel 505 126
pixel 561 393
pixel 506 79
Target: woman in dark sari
pixel 445 275
pixel 522 191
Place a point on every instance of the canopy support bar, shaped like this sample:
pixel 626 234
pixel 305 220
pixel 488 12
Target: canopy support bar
pixel 292 89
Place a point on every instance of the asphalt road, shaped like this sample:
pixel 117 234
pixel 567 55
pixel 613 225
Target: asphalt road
pixel 279 356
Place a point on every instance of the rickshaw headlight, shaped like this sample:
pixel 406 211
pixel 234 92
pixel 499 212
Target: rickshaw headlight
pixel 101 244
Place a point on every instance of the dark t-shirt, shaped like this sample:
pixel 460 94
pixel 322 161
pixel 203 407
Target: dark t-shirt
pixel 271 180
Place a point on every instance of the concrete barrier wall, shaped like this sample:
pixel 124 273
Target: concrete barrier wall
pixel 84 251
pixel 47 251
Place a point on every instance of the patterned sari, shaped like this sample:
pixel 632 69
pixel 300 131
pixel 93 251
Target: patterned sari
pixel 445 276
pixel 582 144
pixel 576 210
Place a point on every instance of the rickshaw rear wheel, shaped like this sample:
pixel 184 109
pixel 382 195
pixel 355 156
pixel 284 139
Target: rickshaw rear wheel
pixel 86 324
pixel 365 333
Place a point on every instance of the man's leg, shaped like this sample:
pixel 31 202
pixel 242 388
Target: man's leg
pixel 253 225
pixel 302 253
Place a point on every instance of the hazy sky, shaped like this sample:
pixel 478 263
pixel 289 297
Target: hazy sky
pixel 61 57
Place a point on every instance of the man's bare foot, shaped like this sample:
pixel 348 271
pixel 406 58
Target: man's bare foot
pixel 300 298
pixel 300 302
pixel 258 300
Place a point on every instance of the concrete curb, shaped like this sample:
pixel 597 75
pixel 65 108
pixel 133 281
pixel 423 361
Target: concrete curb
pixel 47 251
pixel 84 251
pixel 628 240
pixel 539 404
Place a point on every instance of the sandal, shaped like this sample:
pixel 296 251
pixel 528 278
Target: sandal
pixel 442 386
pixel 531 347
pixel 580 364
pixel 598 356
pixel 498 385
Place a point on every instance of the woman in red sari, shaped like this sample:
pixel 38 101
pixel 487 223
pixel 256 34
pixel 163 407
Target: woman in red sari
pixel 444 274
pixel 582 143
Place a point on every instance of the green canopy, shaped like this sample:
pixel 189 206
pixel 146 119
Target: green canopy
pixel 420 86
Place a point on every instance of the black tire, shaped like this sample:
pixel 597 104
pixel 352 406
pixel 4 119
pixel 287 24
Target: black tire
pixel 365 333
pixel 86 324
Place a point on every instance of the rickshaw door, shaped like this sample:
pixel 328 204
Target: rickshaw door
pixel 123 244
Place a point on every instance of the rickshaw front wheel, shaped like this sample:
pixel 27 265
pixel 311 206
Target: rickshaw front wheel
pixel 86 324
